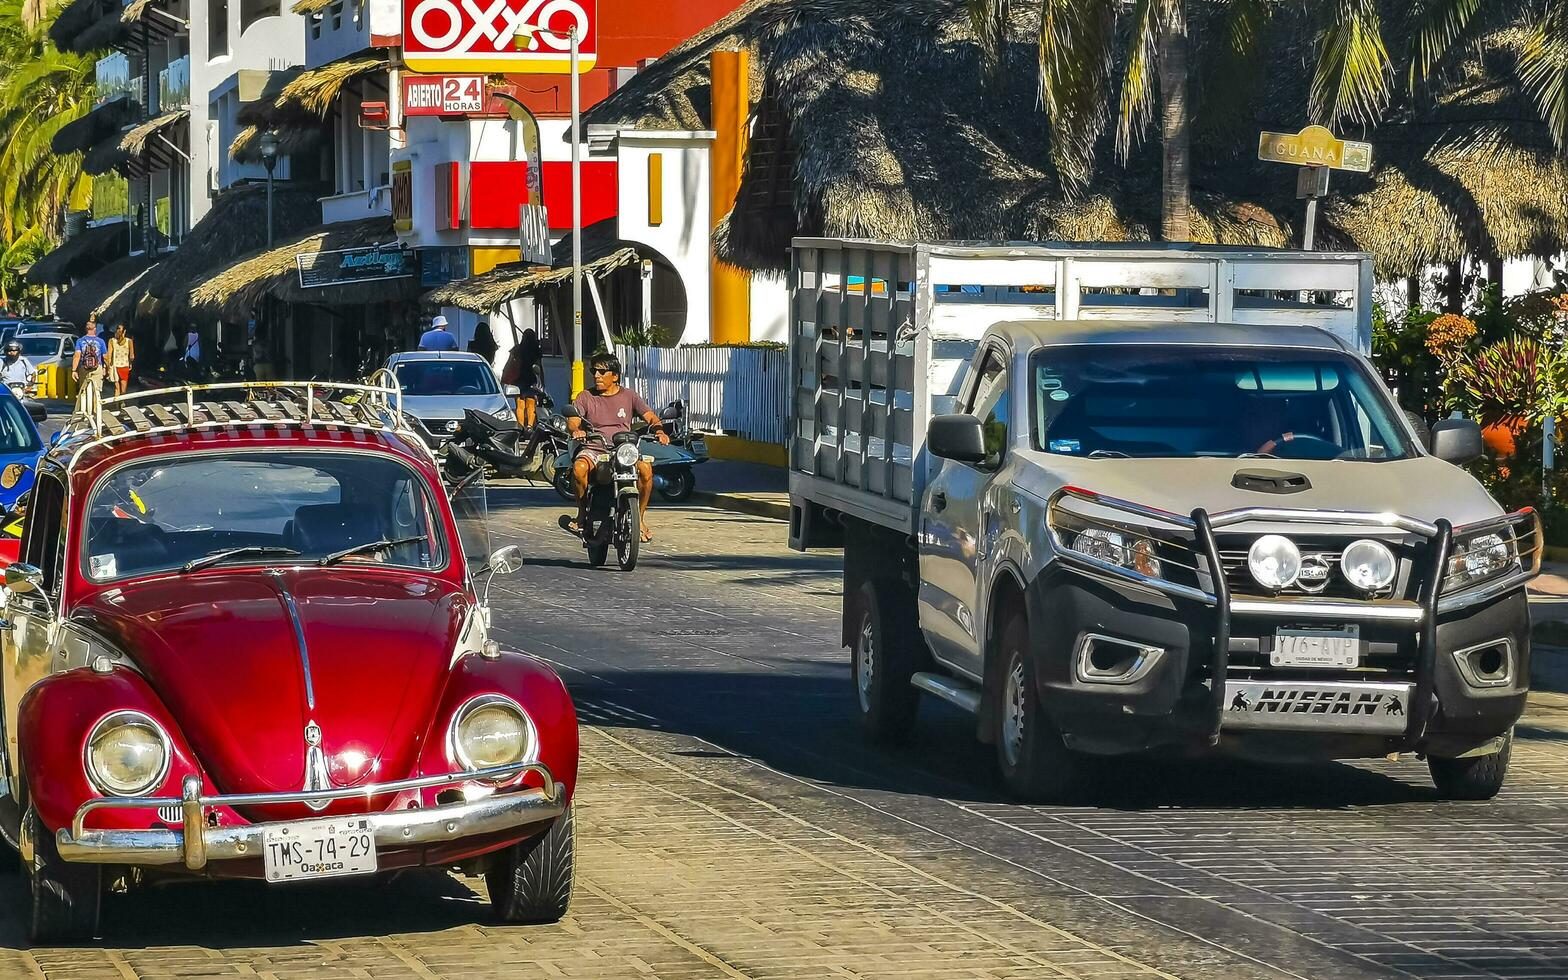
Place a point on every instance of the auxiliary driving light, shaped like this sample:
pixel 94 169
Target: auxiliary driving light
pixel 1274 561
pixel 1368 565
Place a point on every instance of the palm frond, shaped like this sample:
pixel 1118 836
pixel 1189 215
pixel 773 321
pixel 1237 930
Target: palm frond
pixel 1138 84
pixel 1076 42
pixel 1435 27
pixel 1353 70
pixel 1543 68
pixel 989 19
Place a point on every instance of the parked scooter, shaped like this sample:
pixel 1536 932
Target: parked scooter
pixel 614 512
pixel 672 465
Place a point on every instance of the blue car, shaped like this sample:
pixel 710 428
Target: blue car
pixel 20 447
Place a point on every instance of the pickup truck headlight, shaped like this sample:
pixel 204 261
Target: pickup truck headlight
pixel 1480 558
pixel 1111 546
pixel 492 730
pixel 127 754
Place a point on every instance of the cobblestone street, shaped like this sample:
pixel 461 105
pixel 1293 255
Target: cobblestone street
pixel 733 823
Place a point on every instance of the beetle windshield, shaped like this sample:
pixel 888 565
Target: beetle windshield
pixel 1183 401
pixel 166 513
pixel 446 378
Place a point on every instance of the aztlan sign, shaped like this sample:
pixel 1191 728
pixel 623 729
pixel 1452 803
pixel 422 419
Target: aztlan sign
pixel 517 36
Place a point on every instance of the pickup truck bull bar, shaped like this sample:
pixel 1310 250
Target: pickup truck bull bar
pixel 1422 613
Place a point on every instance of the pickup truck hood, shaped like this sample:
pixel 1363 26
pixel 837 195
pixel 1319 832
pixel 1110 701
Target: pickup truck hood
pixel 221 650
pixel 1424 487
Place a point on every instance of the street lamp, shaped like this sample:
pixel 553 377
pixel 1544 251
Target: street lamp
pixel 268 144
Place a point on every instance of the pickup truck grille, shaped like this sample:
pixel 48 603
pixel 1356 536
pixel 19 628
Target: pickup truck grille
pixel 1327 550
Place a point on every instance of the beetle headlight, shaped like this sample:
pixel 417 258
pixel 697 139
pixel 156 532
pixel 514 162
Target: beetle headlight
pixel 492 730
pixel 1274 561
pixel 627 454
pixel 127 754
pixel 1368 565
pixel 1479 558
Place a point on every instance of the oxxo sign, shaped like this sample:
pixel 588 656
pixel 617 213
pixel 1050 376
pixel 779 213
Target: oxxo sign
pixel 526 36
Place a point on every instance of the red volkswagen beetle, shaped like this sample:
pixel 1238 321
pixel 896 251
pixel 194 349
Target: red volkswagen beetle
pixel 248 638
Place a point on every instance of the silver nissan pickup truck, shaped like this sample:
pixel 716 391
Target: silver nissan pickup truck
pixel 1159 533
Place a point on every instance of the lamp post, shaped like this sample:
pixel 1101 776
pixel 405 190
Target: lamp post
pixel 269 159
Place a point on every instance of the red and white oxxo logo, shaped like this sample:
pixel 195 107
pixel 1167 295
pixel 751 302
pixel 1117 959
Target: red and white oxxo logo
pixel 525 36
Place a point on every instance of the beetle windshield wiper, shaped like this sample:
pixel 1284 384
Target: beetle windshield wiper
pixel 244 551
pixel 370 547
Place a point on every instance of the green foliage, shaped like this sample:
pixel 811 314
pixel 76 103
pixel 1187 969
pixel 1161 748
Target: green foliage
pixel 656 335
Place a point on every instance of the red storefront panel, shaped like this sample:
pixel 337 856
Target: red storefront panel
pixel 497 188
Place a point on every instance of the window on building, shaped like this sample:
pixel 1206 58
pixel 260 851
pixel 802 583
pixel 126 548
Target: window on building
pixel 217 28
pixel 254 10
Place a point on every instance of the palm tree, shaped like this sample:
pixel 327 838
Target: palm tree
pixel 1353 77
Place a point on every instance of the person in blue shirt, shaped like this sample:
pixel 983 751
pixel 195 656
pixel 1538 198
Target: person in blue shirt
pixel 87 364
pixel 437 337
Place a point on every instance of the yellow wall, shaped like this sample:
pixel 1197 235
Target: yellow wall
pixel 731 105
pixel 483 258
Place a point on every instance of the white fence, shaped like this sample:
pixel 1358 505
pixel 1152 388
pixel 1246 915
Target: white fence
pixel 740 391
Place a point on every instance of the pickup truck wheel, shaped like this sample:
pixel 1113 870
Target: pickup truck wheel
pixel 1035 763
pixel 531 881
pixel 65 898
pixel 1476 778
pixel 883 658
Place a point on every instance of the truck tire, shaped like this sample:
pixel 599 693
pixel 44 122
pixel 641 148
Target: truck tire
pixel 65 898
pixel 531 881
pixel 884 655
pixel 1475 778
pixel 1035 764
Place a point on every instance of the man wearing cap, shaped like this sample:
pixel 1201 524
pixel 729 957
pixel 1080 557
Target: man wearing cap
pixel 437 337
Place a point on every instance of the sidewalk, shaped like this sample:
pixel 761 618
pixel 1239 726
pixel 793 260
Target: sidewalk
pixel 745 488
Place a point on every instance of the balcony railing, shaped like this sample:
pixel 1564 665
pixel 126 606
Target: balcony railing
pixel 112 77
pixel 111 197
pixel 174 85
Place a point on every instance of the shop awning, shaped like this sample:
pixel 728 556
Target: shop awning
pixel 94 295
pixel 148 146
pixel 234 226
pixel 237 291
pixel 487 292
pixel 100 124
pixel 81 254
pixel 307 97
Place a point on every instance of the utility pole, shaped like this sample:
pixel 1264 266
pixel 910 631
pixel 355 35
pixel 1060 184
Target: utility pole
pixel 577 221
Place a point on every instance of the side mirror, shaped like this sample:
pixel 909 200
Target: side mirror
pixel 36 410
pixel 956 437
pixel 1457 441
pixel 505 561
pixel 511 391
pixel 24 578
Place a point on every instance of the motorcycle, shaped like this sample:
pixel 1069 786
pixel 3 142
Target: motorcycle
pixel 672 465
pixel 614 512
pixel 24 394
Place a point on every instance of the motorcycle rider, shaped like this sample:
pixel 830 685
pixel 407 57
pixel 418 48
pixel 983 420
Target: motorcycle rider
pixel 16 369
pixel 611 410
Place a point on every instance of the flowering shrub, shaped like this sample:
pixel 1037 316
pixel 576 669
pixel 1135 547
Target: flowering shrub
pixel 1447 335
pixel 1504 382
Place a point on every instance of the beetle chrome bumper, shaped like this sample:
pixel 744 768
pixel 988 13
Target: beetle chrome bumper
pixel 196 843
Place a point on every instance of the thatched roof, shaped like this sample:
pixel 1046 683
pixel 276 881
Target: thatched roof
pixel 246 147
pixel 81 254
pixel 96 126
pixel 92 296
pixel 872 121
pixel 135 141
pixel 235 293
pixel 487 292
pixel 235 225
pixel 74 18
pixel 307 7
pixel 296 106
pixel 104 156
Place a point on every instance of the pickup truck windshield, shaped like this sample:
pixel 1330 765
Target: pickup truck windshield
pixel 1183 402
pixel 207 509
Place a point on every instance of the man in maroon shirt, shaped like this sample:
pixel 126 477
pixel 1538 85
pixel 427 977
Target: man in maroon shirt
pixel 611 410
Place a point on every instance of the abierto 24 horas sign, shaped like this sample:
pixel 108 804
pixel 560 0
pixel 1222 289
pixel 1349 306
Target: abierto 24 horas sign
pixel 513 36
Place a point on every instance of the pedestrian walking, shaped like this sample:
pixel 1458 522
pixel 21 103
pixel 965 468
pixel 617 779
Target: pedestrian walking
pixel 483 343
pixel 437 337
pixel 524 368
pixel 87 365
pixel 122 354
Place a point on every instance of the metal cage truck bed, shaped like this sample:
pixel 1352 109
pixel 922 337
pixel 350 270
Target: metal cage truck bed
pixel 1134 499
